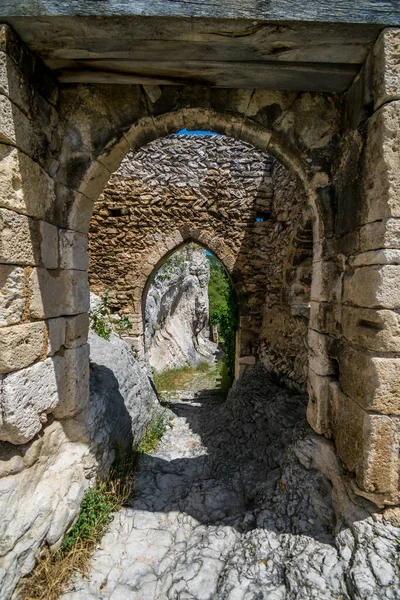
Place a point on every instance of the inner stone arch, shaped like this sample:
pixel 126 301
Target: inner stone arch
pixel 222 193
pixel 182 322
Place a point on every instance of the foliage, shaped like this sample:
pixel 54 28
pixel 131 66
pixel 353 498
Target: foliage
pixel 102 322
pixel 154 431
pixel 219 285
pixel 53 570
pixel 224 311
pixel 123 325
pixel 93 519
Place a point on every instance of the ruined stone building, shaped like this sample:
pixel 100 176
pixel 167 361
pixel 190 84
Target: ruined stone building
pixel 298 198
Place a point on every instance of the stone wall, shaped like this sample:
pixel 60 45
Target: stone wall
pixel 239 203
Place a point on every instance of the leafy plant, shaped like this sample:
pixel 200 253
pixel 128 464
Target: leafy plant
pixel 123 325
pixel 100 320
pixel 154 431
pixel 103 323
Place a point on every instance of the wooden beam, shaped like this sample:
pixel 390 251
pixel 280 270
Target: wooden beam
pixel 311 77
pixel 201 39
pixel 385 12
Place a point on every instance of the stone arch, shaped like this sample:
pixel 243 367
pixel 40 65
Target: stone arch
pixel 236 259
pixel 233 125
pixel 180 238
pixel 202 239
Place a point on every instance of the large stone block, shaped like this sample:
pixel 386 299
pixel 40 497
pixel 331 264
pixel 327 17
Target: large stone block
pixel 94 180
pixel 56 335
pixel 77 329
pixel 324 317
pixel 386 256
pixel 386 67
pixel 372 381
pixel 373 286
pixel 381 173
pixel 32 137
pixel 32 68
pixel 319 402
pixel 21 345
pixel 27 241
pixel 373 329
pixel 57 293
pixel 319 350
pixel 15 85
pixel 369 446
pixel 381 234
pixel 73 250
pixel 72 209
pixel 75 387
pixel 24 186
pixel 27 396
pixel 12 294
pixel 326 282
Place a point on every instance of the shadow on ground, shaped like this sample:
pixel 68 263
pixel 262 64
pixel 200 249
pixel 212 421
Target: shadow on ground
pixel 233 462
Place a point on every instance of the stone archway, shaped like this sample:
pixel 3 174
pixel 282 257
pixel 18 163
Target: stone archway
pixel 57 160
pixel 225 195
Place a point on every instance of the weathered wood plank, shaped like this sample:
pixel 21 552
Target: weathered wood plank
pixel 263 75
pixel 151 38
pixel 386 12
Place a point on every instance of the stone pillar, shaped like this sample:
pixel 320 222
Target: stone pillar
pixel 359 404
pixel 44 296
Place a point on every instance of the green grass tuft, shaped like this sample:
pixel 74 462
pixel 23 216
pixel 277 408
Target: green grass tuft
pixel 154 432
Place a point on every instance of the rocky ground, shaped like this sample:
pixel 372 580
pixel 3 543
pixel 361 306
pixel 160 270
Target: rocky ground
pixel 241 501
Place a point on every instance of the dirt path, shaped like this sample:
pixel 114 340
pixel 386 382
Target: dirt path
pixel 231 507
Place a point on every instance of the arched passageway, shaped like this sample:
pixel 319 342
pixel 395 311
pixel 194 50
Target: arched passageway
pixel 238 202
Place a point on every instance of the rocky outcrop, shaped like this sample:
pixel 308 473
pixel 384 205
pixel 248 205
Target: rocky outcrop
pixel 243 501
pixel 177 311
pixel 42 482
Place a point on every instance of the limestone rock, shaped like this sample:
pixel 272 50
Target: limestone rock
pixel 241 500
pixel 42 482
pixel 177 311
pixel 27 397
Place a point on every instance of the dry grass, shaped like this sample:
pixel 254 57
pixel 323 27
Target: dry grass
pixel 175 379
pixel 53 570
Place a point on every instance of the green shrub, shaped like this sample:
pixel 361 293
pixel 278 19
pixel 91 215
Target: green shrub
pixel 224 311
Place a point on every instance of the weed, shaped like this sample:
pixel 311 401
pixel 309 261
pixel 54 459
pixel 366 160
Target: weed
pixel 154 432
pixel 100 320
pixel 52 572
pixel 103 323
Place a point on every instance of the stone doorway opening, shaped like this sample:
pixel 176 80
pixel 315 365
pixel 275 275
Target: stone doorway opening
pixel 190 322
